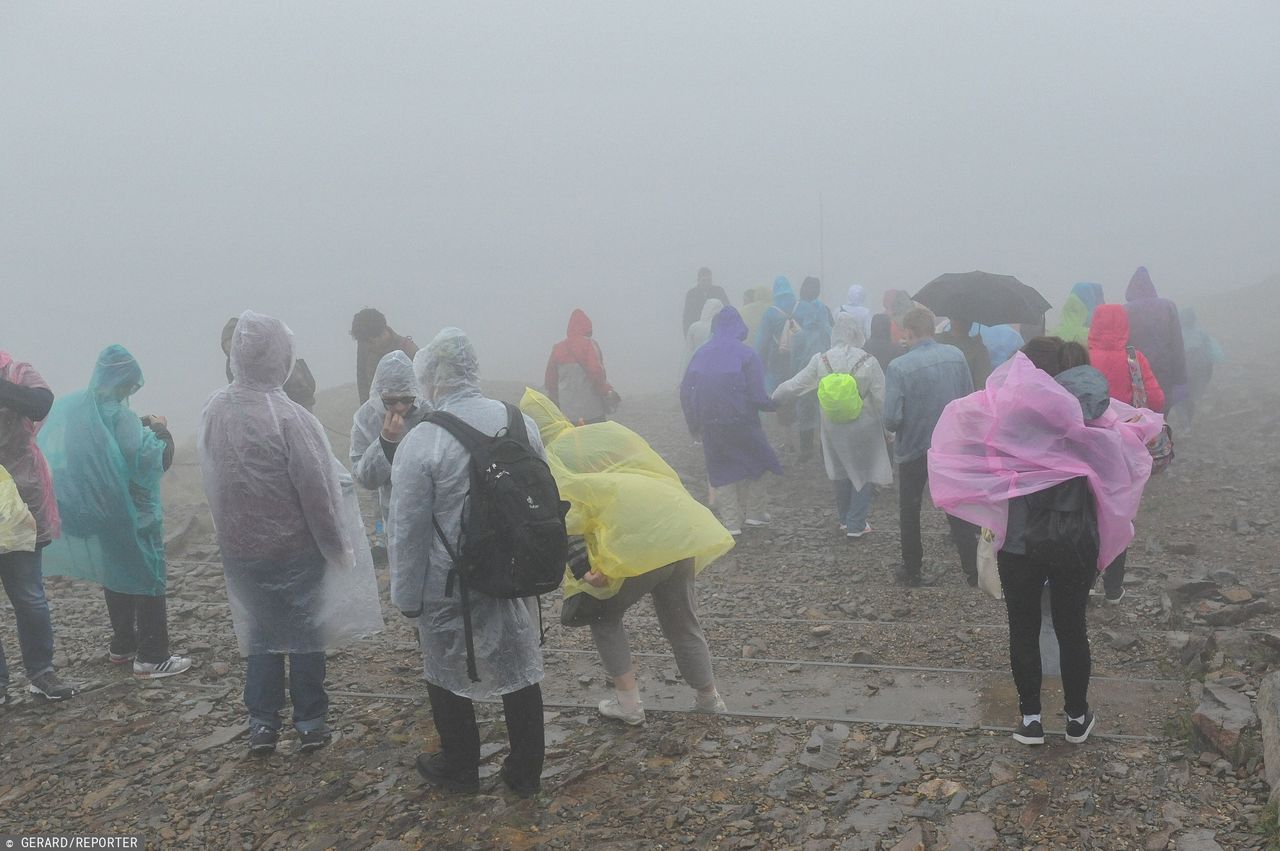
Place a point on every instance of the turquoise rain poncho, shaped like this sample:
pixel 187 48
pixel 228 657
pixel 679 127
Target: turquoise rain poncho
pixel 106 475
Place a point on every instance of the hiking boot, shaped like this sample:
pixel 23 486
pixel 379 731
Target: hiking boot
pixel 1114 599
pixel 314 740
pixel 1078 731
pixel 523 790
pixel 611 708
pixel 1029 734
pixel 262 739
pixel 49 687
pixel 715 706
pixel 155 670
pixel 120 658
pixel 435 770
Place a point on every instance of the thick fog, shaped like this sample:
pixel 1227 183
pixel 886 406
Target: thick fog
pixel 164 166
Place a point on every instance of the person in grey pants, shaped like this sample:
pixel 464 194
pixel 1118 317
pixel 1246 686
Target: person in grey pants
pixel 675 603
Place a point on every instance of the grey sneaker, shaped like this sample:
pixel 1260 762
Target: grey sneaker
pixel 712 707
pixel 611 708
pixel 48 686
pixel 155 670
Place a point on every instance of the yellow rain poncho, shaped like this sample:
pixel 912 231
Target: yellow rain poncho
pixel 17 526
pixel 1075 321
pixel 626 501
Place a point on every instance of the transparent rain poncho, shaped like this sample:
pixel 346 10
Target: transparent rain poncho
pixel 1026 433
pixel 299 575
pixel 627 502
pixel 369 465
pixel 17 525
pixel 106 474
pixel 431 478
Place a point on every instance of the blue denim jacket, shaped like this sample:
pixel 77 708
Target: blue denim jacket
pixel 918 386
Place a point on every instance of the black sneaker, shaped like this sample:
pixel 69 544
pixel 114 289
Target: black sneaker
pixel 913 580
pixel 524 790
pixel 48 686
pixel 263 740
pixel 1078 731
pixel 1029 734
pixel 313 740
pixel 435 771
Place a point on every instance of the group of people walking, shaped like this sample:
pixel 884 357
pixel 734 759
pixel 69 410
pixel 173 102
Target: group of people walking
pixel 871 393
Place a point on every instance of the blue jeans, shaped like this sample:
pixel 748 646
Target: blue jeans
pixel 24 583
pixel 853 506
pixel 264 690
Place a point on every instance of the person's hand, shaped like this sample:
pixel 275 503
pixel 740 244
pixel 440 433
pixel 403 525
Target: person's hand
pixel 392 427
pixel 595 579
pixel 613 400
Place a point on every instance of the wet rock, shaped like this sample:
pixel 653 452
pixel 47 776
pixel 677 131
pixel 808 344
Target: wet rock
pixel 822 751
pixel 972 830
pixel 1002 772
pixel 1222 717
pixel 785 783
pixel 891 742
pixel 220 737
pixel 219 669
pixel 939 788
pixel 1219 614
pixel 1186 589
pixel 890 773
pixel 1116 769
pixel 1198 840
pixel 1120 640
pixel 821 630
pixel 913 840
pixel 1269 717
pixel 201 709
pixel 871 817
pixel 864 657
pixel 673 744
pixel 1237 595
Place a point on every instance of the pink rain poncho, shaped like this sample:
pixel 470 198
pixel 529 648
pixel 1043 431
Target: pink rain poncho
pixel 1026 433
pixel 20 456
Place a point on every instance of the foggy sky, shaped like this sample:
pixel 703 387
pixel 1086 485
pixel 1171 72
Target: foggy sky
pixel 492 166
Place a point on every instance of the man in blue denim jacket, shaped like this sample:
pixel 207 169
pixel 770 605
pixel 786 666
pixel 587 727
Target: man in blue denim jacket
pixel 918 385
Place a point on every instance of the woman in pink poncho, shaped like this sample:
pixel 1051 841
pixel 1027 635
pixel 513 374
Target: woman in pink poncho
pixel 1055 468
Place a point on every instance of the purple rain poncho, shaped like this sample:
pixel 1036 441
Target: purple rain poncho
pixel 722 396
pixel 1156 331
pixel 1026 433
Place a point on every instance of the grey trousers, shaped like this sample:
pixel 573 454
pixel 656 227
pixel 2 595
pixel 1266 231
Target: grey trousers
pixel 675 603
pixel 742 501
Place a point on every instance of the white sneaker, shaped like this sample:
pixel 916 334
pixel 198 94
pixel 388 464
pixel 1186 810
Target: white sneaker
pixel 763 520
pixel 866 530
pixel 155 670
pixel 734 531
pixel 714 707
pixel 611 708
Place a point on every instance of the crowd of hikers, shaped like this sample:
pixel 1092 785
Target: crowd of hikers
pixel 1037 447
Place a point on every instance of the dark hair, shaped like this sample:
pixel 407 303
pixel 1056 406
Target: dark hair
pixel 367 324
pixel 1046 353
pixel 1073 355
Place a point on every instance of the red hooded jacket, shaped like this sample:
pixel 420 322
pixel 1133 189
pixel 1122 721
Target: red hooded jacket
pixel 577 347
pixel 1108 338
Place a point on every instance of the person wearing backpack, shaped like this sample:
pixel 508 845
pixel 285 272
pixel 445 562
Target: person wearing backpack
pixel 849 386
pixel 475 646
pixel 776 343
pixel 722 395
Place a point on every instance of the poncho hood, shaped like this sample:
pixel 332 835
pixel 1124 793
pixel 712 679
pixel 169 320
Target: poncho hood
pixel 579 324
pixel 729 324
pixel 448 365
pixel 550 420
pixel 116 373
pixel 1092 296
pixel 784 297
pixel 1110 329
pixel 393 377
pixel 1090 387
pixel 710 309
pixel 1140 286
pixel 848 331
pixel 261 351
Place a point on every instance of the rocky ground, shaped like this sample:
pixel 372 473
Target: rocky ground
pixel 863 716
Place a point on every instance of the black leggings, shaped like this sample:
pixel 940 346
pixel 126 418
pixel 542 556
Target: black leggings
pixel 1070 578
pixel 455 719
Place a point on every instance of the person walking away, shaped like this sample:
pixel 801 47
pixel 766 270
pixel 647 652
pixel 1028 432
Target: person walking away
pixel 107 464
pixel 575 376
pixel 1074 327
pixel 25 400
pixel 1112 354
pixel 974 350
pixel 1203 354
pixel 815 320
pixel 1092 296
pixel 299 576
pixel 700 331
pixel 722 395
pixel 392 411
pixel 897 303
pixel 776 344
pixel 880 344
pixel 374 341
pixel 701 293
pixel 918 386
pixel 1002 342
pixel 646 537
pixel 1156 331
pixel 854 451
pixel 755 304
pixel 430 483
pixel 855 305
pixel 300 386
pixel 1056 470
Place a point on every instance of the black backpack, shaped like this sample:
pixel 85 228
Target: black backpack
pixel 513 542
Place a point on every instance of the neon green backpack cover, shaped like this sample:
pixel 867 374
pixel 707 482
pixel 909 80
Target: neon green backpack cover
pixel 838 394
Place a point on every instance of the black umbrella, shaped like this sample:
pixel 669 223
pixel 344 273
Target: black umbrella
pixel 984 298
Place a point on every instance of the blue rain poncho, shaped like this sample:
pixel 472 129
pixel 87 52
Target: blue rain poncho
pixel 369 465
pixel 430 479
pixel 106 475
pixel 299 573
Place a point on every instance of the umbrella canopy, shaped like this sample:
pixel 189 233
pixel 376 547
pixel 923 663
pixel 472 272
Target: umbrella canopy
pixel 984 298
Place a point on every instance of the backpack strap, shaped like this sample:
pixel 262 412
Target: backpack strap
pixel 466 434
pixel 865 357
pixel 516 429
pixel 827 364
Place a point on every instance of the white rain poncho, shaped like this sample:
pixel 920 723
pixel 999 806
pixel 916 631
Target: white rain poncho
pixel 431 476
pixel 369 465
pixel 854 450
pixel 299 575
